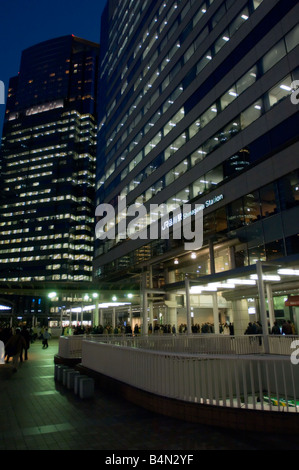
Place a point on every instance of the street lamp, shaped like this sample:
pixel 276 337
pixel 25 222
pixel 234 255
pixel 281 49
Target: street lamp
pixel 52 295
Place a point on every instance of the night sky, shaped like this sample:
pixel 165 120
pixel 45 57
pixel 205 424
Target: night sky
pixel 24 23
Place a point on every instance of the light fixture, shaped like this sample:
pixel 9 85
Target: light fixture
pixel 195 290
pixel 285 87
pixel 267 277
pixel 52 295
pixel 288 272
pixel 245 282
pixel 193 255
pixel 176 261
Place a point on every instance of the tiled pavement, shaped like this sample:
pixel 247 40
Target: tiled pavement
pixel 37 413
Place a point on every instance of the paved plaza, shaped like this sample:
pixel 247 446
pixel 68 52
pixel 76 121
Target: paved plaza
pixel 37 413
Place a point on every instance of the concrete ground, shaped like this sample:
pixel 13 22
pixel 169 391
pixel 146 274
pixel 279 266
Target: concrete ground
pixel 37 413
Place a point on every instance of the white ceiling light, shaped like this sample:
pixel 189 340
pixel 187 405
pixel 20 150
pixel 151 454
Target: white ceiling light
pixel 245 282
pixel 289 272
pixel 267 277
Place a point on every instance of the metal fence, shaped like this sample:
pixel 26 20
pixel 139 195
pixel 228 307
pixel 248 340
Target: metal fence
pixel 251 382
pixel 229 371
pixel 71 346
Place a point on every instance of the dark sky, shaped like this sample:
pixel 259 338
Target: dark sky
pixel 24 23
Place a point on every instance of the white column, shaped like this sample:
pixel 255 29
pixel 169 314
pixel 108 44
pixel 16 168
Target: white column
pixel 82 313
pixel 262 299
pixel 215 313
pixel 113 318
pixel 188 306
pixel 171 303
pixel 143 296
pixel 270 304
pixel 96 315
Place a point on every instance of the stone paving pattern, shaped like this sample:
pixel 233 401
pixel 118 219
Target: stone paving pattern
pixel 37 413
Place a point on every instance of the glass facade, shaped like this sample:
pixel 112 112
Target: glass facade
pixel 196 108
pixel 48 164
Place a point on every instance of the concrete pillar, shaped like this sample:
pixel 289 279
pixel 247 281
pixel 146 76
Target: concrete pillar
pixel 262 302
pixel 270 304
pixel 188 306
pixel 96 315
pixel 170 301
pixel 144 304
pixel 113 318
pixel 240 316
pixel 82 313
pixel 215 313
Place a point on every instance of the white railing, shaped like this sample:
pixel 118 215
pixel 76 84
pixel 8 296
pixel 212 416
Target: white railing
pixel 251 382
pixel 70 346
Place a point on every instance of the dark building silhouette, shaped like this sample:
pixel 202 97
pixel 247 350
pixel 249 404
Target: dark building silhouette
pixel 48 164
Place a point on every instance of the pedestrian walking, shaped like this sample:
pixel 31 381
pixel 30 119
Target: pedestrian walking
pixel 13 348
pixel 46 337
pixel 26 335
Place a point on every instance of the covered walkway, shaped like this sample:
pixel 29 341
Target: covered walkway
pixel 37 413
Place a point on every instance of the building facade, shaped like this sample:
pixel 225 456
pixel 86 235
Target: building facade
pixel 197 108
pixel 48 164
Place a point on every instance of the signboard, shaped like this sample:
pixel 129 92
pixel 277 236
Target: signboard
pixel 292 301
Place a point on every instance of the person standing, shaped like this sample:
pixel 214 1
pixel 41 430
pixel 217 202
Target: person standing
pixel 26 335
pixel 46 337
pixel 13 348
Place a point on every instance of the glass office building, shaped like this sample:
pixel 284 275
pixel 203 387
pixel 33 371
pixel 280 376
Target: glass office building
pixel 197 108
pixel 48 164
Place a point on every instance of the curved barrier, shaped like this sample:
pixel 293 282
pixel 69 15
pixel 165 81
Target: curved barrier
pixel 252 391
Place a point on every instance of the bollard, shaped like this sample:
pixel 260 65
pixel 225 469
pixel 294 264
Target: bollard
pixel 65 373
pixel 86 388
pixel 77 380
pixel 71 379
pixel 60 370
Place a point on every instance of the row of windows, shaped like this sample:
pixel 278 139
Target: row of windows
pixel 242 219
pixel 62 277
pixel 122 24
pixel 275 54
pixel 57 236
pixel 280 91
pixel 166 60
pixel 206 58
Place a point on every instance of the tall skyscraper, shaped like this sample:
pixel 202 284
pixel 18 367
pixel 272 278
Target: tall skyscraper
pixel 196 108
pixel 48 164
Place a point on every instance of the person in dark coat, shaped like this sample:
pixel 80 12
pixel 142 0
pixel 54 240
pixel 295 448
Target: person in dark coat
pixel 13 348
pixel 275 329
pixel 26 335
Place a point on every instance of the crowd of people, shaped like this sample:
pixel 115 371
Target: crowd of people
pixel 157 328
pixel 17 342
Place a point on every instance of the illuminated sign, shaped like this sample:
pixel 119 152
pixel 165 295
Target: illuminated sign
pixel 215 200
